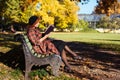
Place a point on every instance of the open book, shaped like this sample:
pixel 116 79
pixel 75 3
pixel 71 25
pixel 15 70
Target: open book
pixel 49 29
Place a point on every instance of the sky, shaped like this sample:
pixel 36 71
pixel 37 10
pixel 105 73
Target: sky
pixel 87 8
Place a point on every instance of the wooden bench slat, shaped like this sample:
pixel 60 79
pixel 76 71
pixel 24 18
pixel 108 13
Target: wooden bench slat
pixel 32 58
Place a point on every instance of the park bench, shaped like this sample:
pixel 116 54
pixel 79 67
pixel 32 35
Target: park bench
pixel 32 58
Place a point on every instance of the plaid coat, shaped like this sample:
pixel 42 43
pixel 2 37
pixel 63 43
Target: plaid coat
pixel 45 47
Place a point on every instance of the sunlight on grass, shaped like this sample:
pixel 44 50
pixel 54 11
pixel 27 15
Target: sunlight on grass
pixel 88 37
pixel 4 49
pixel 6 46
pixel 103 40
pixel 7 73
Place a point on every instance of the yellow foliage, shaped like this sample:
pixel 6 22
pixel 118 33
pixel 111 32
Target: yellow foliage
pixel 59 12
pixel 66 12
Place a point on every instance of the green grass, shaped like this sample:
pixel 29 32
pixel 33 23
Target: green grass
pixel 88 37
pixel 8 73
pixel 104 40
pixel 42 74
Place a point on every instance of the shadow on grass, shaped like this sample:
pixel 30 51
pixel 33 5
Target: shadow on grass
pixel 108 40
pixel 8 43
pixel 14 58
pixel 96 53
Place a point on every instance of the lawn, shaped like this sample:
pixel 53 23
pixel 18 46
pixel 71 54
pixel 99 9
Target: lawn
pixel 9 50
pixel 104 40
pixel 88 37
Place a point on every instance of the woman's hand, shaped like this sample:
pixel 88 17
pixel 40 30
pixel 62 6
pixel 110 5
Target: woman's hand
pixel 43 38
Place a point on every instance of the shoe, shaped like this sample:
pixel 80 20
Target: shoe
pixel 68 69
pixel 77 58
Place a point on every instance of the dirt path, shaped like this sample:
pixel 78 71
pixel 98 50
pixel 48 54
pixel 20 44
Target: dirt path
pixel 98 64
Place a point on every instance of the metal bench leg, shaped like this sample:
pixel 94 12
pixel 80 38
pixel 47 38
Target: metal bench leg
pixel 56 66
pixel 27 70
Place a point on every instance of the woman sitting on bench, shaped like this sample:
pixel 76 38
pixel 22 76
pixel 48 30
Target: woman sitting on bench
pixel 42 45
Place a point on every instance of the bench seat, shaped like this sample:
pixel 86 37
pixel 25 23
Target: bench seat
pixel 32 58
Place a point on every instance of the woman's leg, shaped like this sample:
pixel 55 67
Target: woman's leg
pixel 64 58
pixel 70 51
pixel 67 67
pixel 75 56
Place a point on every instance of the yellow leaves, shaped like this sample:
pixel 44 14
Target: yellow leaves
pixel 71 6
pixel 41 26
pixel 45 17
pixel 71 10
pixel 66 12
pixel 48 19
pixel 62 24
pixel 15 18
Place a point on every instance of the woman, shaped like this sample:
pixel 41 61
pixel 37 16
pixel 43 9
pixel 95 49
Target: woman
pixel 42 45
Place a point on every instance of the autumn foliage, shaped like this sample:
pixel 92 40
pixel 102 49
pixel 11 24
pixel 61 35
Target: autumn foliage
pixel 62 13
pixel 108 7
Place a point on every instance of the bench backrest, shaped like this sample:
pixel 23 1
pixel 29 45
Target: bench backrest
pixel 28 48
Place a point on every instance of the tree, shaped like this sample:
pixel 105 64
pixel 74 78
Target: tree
pixel 105 6
pixel 83 25
pixel 62 13
pixel 14 14
pixel 115 23
pixel 108 7
pixel 2 4
pixel 12 10
pixel 106 22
